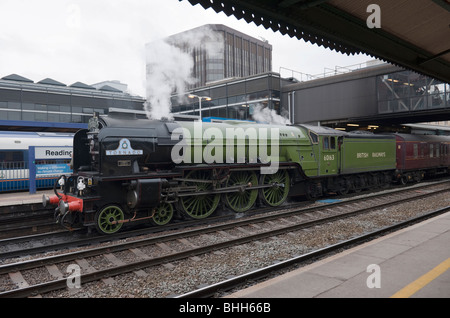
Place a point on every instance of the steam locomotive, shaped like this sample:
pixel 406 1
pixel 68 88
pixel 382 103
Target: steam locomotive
pixel 138 170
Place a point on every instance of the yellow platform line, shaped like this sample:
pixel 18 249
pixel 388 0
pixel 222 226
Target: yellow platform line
pixel 422 281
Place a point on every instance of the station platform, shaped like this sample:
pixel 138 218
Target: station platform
pixel 413 262
pixel 22 198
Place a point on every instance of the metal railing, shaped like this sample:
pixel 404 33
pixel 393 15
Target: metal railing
pixel 14 176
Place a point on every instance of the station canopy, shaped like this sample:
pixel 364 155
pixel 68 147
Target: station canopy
pixel 414 34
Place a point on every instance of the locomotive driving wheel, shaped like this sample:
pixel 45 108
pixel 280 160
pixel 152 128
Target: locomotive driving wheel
pixel 242 200
pixel 163 214
pixel 278 192
pixel 203 205
pixel 107 219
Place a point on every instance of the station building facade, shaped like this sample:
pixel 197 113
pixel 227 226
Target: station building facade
pixel 377 94
pixel 373 94
pixel 234 98
pixel 49 101
pixel 240 78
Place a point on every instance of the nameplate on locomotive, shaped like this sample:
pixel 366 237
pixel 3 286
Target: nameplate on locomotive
pixel 124 149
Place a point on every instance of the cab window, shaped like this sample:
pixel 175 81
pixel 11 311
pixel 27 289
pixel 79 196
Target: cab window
pixel 329 143
pixel 326 144
pixel 314 137
pixel 332 143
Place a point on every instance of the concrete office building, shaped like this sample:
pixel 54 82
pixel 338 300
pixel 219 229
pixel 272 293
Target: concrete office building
pixel 220 52
pixel 234 98
pixel 230 67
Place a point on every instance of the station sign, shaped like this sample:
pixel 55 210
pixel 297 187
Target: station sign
pixel 52 167
pixel 53 152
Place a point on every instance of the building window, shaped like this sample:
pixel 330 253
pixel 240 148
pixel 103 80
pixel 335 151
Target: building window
pixel 409 91
pixel 246 58
pixel 253 59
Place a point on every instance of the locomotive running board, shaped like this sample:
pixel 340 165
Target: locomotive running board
pixel 231 189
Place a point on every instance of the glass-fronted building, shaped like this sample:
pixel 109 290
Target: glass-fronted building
pixel 407 91
pixel 235 98
pixel 381 94
pixel 48 100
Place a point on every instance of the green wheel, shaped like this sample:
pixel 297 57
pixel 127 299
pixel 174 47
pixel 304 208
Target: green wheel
pixel 278 192
pixel 106 218
pixel 163 214
pixel 199 206
pixel 243 200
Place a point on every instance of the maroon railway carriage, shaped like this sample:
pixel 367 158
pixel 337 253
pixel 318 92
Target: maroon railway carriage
pixel 420 155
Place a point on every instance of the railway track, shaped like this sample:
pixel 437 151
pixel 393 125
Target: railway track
pixel 24 220
pixel 19 279
pixel 262 273
pixel 32 221
pixel 62 239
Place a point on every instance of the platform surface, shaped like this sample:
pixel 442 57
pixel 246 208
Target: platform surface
pixel 24 197
pixel 413 262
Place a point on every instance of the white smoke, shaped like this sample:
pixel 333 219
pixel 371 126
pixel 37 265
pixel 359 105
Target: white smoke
pixel 170 68
pixel 270 116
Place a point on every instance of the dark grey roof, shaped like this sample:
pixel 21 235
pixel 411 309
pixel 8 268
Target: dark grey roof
pixel 50 81
pixel 18 78
pixel 81 85
pixel 109 89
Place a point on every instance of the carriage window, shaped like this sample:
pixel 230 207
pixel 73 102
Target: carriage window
pixel 437 151
pixel 416 151
pixel 431 151
pixel 11 156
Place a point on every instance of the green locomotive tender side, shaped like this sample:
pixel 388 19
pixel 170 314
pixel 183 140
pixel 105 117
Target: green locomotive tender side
pixel 348 161
pixel 368 153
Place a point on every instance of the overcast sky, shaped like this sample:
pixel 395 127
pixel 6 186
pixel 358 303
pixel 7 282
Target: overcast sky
pixel 96 40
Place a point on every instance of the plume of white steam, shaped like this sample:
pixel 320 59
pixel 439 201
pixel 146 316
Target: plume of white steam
pixel 270 116
pixel 169 68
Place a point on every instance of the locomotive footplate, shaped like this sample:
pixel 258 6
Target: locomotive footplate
pixel 238 188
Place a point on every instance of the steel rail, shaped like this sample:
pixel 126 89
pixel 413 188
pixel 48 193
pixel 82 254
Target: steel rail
pixel 56 284
pixel 189 233
pixel 250 219
pixel 259 274
pixel 171 226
